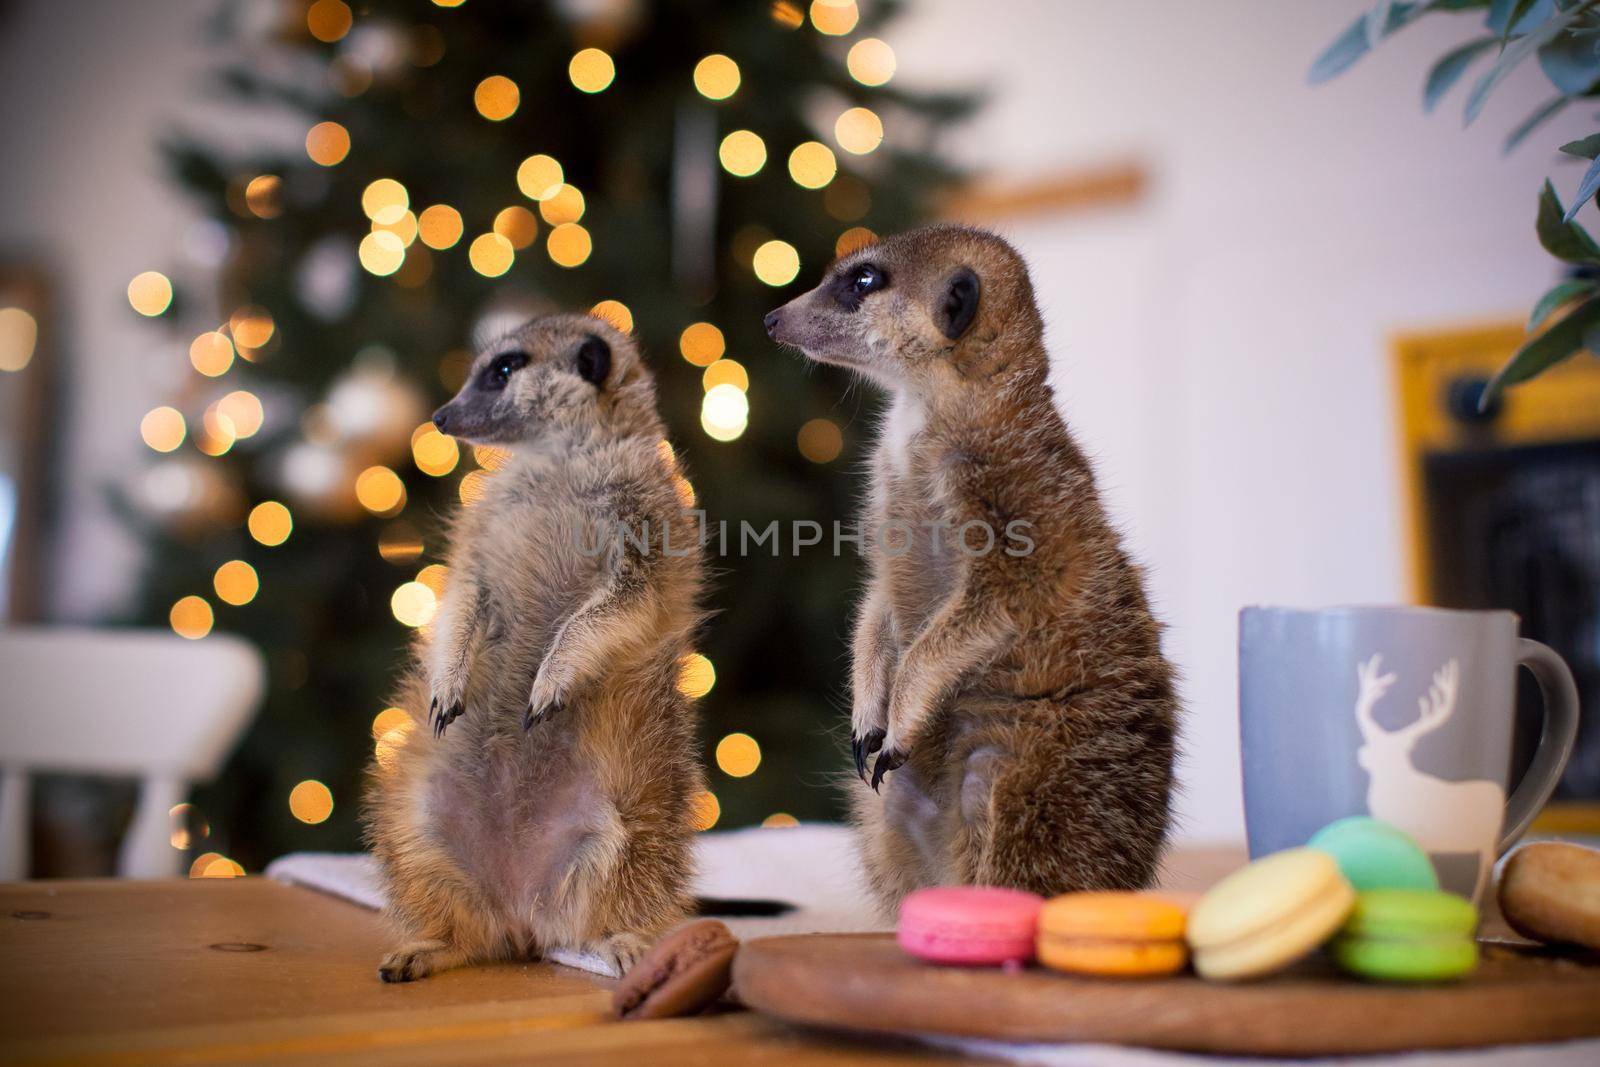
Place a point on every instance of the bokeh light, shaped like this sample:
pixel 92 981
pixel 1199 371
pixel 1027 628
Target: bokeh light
pixel 264 196
pixel 518 225
pixel 724 412
pixel 820 441
pixel 473 485
pixel 738 755
pixel 779 820
pixel 742 153
pixel 217 433
pixel 385 200
pixel 591 70
pixel 188 825
pixel 328 20
pixel 870 61
pixel 716 77
pixel 434 576
pixel 251 326
pixel 311 802
pixel 856 237
pixel 706 810
pixel 812 165
pixel 616 313
pixel 489 457
pixel 211 353
pixel 788 14
pixel 380 490
pixel 270 523
pixel 858 131
pixel 439 226
pixel 163 428
pixel 243 409
pixel 215 865
pixel 701 344
pixel 776 262
pixel 539 177
pixel 491 255
pixel 327 144
pixel 381 252
pixel 497 98
pixel 414 604
pixel 236 583
pixel 191 617
pixel 563 204
pixel 696 676
pixel 725 372
pixel 389 719
pixel 568 245
pixel 150 293
pixel 433 452
pixel 834 17
pixel 404 227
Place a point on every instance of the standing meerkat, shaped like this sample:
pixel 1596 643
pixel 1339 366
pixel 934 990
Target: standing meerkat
pixel 545 799
pixel 1006 666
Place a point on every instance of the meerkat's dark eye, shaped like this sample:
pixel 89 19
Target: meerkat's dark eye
pixel 866 279
pixel 500 369
pixel 594 361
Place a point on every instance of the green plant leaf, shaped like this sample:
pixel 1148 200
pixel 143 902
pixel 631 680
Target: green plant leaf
pixel 1586 190
pixel 1587 148
pixel 1558 297
pixel 1508 17
pixel 1378 20
pixel 1563 239
pixel 1513 54
pixel 1571 63
pixel 1339 56
pixel 1546 111
pixel 1448 70
pixel 1557 343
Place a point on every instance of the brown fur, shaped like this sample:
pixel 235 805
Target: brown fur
pixel 1027 714
pixel 555 810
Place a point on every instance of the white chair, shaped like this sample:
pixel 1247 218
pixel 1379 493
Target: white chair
pixel 137 703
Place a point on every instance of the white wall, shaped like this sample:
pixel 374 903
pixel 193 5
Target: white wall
pixel 1222 348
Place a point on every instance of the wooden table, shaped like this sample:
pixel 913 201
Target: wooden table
pixel 251 971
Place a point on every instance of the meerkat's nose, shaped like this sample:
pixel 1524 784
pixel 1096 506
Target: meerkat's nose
pixel 771 321
pixel 441 420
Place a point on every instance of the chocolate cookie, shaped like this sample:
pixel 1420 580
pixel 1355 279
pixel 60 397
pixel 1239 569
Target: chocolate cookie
pixel 683 973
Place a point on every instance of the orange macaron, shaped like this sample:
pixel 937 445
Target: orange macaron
pixel 1119 934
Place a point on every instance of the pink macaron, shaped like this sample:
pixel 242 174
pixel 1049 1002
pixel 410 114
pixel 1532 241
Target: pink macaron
pixel 977 925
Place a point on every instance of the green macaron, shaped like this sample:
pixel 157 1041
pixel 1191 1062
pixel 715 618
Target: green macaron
pixel 1375 855
pixel 1408 935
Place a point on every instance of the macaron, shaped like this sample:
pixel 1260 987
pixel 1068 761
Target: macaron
pixel 1408 935
pixel 1112 934
pixel 1266 916
pixel 1375 855
pixel 973 925
pixel 684 973
pixel 1550 892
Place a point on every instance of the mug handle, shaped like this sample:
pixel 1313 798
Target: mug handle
pixel 1555 742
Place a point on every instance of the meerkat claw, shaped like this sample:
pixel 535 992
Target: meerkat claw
pixel 888 760
pixel 446 717
pixel 538 715
pixel 864 746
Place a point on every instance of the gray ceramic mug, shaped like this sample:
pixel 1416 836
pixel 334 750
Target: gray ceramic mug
pixel 1401 713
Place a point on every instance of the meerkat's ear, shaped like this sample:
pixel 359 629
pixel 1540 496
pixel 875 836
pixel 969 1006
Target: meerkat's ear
pixel 594 361
pixel 959 304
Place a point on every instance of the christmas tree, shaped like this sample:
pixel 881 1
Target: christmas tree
pixel 680 167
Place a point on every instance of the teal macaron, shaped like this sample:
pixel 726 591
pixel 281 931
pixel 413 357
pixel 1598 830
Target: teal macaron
pixel 1408 935
pixel 1374 855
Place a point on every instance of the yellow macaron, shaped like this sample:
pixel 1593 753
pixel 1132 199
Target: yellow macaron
pixel 1268 915
pixel 1113 934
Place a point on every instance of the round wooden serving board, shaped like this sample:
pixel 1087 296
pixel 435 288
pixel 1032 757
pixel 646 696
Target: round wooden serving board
pixel 864 982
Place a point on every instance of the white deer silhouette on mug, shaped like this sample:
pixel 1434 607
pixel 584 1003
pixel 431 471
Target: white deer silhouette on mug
pixel 1442 815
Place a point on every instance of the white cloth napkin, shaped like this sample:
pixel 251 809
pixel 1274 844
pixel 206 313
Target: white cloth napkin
pixel 811 866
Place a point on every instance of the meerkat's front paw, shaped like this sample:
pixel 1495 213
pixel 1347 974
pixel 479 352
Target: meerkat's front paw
pixel 446 708
pixel 893 757
pixel 864 745
pixel 622 951
pixel 547 697
pixel 418 960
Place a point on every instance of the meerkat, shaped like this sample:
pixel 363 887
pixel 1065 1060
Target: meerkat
pixel 545 797
pixel 1006 671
